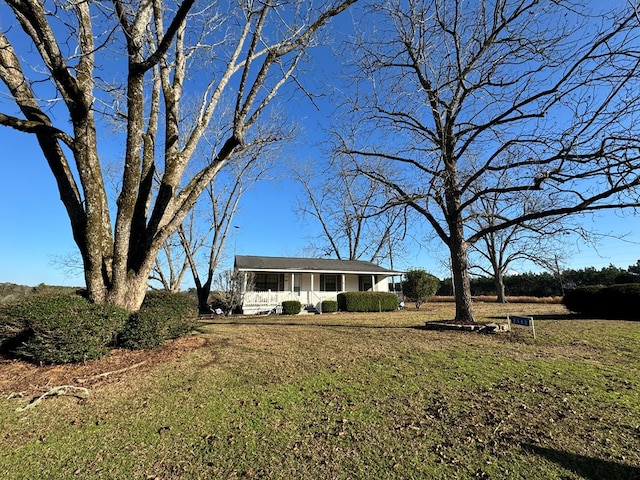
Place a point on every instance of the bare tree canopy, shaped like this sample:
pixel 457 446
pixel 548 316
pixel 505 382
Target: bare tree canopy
pixel 461 101
pixel 540 241
pixel 199 244
pixel 350 211
pixel 164 74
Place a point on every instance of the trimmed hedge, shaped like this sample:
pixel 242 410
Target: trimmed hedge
pixel 329 306
pixel 583 299
pixel 61 328
pixel 291 307
pixel 162 316
pixel 612 302
pixel 367 301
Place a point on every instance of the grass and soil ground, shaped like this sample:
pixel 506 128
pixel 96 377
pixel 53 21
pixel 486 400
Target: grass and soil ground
pixel 340 396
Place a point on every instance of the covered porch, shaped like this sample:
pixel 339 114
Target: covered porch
pixel 313 281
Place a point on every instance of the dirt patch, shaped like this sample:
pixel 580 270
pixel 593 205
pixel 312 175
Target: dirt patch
pixel 22 378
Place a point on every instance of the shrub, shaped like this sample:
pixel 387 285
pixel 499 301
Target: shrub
pixel 329 306
pixel 61 328
pixel 12 330
pixel 419 286
pixel 291 307
pixel 367 301
pixel 162 316
pixel 615 301
pixel 623 301
pixel 583 300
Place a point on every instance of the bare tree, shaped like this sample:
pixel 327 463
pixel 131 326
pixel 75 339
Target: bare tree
pixel 222 198
pixel 351 211
pixel 230 286
pixel 538 242
pixel 161 56
pixel 456 94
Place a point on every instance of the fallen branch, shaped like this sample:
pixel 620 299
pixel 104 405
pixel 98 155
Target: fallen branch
pixel 106 374
pixel 80 392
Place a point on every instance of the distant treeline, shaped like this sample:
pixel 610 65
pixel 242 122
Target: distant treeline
pixel 11 291
pixel 549 285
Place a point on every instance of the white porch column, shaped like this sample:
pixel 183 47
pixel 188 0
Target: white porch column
pixel 291 287
pixel 344 282
pixel 373 283
pixel 311 289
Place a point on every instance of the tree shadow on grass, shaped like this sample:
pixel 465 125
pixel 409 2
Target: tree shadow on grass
pixel 590 468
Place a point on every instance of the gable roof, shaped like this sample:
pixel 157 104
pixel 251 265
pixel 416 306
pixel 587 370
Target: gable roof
pixel 249 263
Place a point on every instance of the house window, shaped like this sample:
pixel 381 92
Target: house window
pixel 330 283
pixel 365 283
pixel 269 281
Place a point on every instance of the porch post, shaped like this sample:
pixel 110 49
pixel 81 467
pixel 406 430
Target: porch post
pixel 344 282
pixel 373 283
pixel 311 290
pixel 291 286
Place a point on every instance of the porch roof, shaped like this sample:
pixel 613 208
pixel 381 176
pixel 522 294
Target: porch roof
pixel 250 263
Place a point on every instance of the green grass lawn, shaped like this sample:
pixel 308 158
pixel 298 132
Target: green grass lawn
pixel 359 396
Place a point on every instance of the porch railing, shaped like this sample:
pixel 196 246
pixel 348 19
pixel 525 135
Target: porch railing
pixel 270 299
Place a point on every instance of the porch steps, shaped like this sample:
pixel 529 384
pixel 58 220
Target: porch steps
pixel 309 309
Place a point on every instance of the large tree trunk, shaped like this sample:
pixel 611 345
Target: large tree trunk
pixel 203 296
pixel 498 281
pixel 130 294
pixel 460 271
pixel 125 291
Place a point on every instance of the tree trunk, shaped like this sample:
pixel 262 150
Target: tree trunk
pixel 461 283
pixel 203 291
pixel 130 294
pixel 456 242
pixel 498 280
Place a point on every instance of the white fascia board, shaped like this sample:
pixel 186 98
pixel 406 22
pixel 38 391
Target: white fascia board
pixel 345 272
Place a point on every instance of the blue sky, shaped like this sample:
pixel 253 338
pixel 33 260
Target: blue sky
pixel 35 230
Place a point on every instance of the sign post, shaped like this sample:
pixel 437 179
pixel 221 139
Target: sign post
pixel 520 320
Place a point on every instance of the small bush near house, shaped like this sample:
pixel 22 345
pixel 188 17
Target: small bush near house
pixel 367 301
pixel 418 285
pixel 162 316
pixel 59 328
pixel 329 306
pixel 291 307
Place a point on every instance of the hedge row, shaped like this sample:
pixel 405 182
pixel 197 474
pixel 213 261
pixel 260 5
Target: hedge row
pixel 613 302
pixel 367 301
pixel 68 328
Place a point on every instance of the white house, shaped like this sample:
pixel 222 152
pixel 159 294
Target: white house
pixel 307 280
